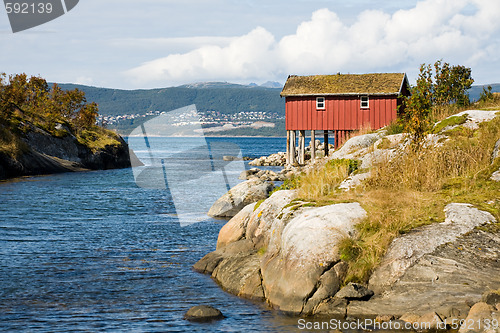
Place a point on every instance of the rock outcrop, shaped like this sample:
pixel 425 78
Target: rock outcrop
pixel 266 175
pixel 239 196
pixel 278 159
pixel 482 317
pixel 283 253
pixel 441 267
pixel 406 250
pixel 44 154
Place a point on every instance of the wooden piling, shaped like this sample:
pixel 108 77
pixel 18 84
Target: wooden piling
pixel 287 147
pixel 302 147
pixel 313 145
pixel 292 147
pixel 325 139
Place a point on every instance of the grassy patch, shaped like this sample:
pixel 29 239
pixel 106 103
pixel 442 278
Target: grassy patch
pixel 390 214
pixel 262 251
pixel 258 204
pixel 413 190
pixel 97 138
pixel 490 103
pixel 384 144
pixel 451 121
pixel 288 184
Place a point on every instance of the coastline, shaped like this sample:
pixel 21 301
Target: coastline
pixel 285 250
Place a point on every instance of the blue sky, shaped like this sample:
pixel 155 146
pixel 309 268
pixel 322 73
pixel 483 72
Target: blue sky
pixel 160 43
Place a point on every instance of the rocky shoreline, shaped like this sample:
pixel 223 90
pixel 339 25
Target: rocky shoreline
pixel 44 153
pixel 285 252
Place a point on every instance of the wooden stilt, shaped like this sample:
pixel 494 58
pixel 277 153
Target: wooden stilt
pixel 325 136
pixel 302 147
pixel 292 147
pixel 287 147
pixel 313 145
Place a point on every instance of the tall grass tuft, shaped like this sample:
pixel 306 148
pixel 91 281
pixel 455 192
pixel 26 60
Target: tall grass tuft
pixel 319 184
pixel 428 169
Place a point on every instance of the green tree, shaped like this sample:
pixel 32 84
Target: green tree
pixel 437 85
pixel 418 106
pixel 87 115
pixel 35 97
pixel 451 84
pixel 486 95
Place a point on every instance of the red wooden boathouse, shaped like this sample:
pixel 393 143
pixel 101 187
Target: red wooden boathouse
pixel 340 103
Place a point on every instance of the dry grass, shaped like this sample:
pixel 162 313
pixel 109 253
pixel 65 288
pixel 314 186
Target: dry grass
pixel 391 213
pixel 492 103
pixel 97 138
pixel 441 112
pixel 410 191
pixel 319 184
pixel 364 129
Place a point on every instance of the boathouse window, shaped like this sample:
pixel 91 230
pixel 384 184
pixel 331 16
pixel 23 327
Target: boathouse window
pixel 365 102
pixel 320 103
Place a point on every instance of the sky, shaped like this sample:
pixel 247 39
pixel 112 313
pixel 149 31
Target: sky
pixel 145 44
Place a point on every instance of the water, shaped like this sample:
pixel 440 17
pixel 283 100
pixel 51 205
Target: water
pixel 93 251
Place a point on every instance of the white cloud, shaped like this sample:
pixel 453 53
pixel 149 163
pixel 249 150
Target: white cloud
pixel 459 31
pixel 245 57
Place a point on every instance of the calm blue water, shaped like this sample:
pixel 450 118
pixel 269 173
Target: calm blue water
pixel 94 251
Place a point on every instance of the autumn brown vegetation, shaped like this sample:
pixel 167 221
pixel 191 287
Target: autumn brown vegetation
pixel 28 102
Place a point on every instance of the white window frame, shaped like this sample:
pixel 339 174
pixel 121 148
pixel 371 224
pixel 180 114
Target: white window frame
pixel 320 105
pixel 364 102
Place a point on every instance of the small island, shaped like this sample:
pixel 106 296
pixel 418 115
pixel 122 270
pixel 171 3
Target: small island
pixel 47 130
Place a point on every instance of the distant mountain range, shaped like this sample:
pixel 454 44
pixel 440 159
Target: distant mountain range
pixel 209 97
pixel 214 85
pixel 223 97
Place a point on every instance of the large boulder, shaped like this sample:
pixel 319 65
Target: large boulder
pixel 306 251
pixel 235 229
pixel 283 252
pixel 239 196
pixel 480 319
pixel 269 216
